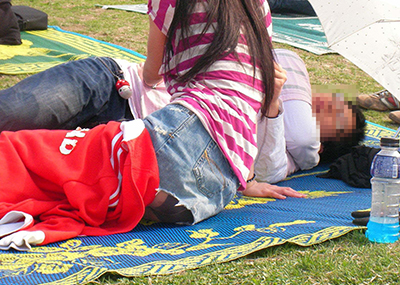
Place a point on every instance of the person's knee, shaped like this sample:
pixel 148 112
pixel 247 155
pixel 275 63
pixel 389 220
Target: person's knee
pixel 165 209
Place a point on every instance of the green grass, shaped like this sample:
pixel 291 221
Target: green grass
pixel 350 259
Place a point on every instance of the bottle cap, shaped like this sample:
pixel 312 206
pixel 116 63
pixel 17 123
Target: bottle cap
pixel 390 142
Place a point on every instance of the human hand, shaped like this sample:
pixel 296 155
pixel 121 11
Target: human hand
pixel 258 189
pixel 280 79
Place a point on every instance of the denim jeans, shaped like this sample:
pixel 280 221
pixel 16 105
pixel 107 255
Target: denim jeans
pixel 291 6
pixel 77 93
pixel 192 167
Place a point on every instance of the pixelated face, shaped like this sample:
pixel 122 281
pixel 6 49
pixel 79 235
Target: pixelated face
pixel 334 117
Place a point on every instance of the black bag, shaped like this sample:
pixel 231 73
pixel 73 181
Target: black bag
pixel 354 167
pixel 30 18
pixel 9 31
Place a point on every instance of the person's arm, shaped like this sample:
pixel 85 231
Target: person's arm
pixel 254 188
pixel 271 161
pixel 302 143
pixel 279 80
pixel 155 53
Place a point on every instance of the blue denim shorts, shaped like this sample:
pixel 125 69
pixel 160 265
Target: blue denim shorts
pixel 192 167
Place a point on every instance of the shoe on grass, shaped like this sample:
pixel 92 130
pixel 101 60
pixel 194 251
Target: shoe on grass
pixel 395 116
pixel 379 101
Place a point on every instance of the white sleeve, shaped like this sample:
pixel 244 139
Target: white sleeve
pixel 14 221
pixel 22 240
pixel 11 234
pixel 270 164
pixel 301 136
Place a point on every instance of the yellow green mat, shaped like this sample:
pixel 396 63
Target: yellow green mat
pixel 41 50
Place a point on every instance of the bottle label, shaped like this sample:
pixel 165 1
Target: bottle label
pixel 385 167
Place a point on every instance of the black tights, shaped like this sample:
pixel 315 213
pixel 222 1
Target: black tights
pixel 168 212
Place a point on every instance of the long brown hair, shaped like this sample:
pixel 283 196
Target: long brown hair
pixel 231 16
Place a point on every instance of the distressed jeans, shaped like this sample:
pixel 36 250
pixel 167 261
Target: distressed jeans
pixel 192 167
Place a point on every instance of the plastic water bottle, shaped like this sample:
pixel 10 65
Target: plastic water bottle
pixel 383 225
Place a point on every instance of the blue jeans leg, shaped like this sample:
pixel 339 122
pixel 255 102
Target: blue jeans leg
pixel 63 97
pixel 192 167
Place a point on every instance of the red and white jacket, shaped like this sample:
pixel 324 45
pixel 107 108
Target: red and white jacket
pixel 81 182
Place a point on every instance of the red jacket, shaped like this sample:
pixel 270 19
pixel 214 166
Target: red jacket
pixel 84 182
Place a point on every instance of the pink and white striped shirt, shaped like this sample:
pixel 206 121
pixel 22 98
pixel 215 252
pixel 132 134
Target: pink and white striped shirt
pixel 225 97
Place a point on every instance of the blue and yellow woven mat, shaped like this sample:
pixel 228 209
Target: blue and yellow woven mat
pixel 41 50
pixel 247 225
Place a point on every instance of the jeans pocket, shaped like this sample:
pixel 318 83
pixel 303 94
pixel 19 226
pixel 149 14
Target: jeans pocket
pixel 210 179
